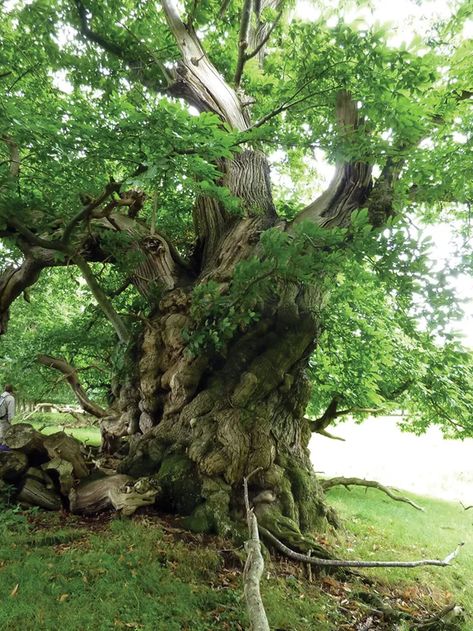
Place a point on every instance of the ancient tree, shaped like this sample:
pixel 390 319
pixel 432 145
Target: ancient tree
pixel 137 145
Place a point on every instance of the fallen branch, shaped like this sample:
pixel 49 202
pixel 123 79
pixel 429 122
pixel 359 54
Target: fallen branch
pixel 254 567
pixel 346 482
pixel 304 558
pixel 466 507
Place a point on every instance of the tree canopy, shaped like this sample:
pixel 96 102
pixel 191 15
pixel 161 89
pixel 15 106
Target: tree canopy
pixel 107 143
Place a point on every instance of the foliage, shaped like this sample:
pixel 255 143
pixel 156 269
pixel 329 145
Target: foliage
pixel 386 341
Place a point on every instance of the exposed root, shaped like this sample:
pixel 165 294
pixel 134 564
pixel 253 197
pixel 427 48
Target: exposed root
pixel 347 482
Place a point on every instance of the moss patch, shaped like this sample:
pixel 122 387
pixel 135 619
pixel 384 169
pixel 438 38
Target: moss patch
pixel 181 487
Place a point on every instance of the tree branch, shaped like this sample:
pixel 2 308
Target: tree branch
pixel 346 482
pixel 102 299
pixel 286 105
pixel 13 282
pixel 86 212
pixel 243 39
pixel 14 151
pixel 139 68
pixel 197 80
pixel 327 417
pixel 296 556
pixel 254 568
pixel 71 376
pixel 351 184
pixel 265 35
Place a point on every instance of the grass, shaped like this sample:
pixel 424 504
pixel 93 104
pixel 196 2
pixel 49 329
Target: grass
pixel 144 573
pixel 135 574
pixel 50 422
pixel 378 528
pixel 63 571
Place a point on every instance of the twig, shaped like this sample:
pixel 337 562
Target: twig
pixel 254 567
pixel 449 610
pixel 296 556
pixel 346 482
pixel 466 507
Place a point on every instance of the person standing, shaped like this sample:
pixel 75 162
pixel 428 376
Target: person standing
pixel 7 410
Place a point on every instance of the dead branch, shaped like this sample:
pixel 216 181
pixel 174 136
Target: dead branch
pixel 447 613
pixel 346 482
pixel 466 507
pixel 254 567
pixel 304 558
pixel 203 86
pixel 70 374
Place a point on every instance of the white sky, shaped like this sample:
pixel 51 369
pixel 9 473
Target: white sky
pixel 377 450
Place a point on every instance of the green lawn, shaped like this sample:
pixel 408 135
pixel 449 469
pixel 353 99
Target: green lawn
pixel 62 571
pixel 136 574
pixel 378 528
pixel 50 422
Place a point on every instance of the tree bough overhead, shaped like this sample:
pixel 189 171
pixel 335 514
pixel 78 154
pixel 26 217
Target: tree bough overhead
pixel 136 148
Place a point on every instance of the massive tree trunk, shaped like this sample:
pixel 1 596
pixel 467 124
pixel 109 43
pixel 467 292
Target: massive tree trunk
pixel 209 420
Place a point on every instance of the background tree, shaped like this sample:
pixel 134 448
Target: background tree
pixel 136 149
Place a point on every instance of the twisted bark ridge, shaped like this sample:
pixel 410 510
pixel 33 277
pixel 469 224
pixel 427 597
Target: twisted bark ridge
pixel 203 421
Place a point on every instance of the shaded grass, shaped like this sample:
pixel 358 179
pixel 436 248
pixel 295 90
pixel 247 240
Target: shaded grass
pixel 131 574
pixel 378 528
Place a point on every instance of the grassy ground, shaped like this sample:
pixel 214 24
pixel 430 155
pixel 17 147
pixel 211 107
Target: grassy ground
pixel 62 571
pixel 102 573
pixel 50 422
pixel 379 527
pixel 137 574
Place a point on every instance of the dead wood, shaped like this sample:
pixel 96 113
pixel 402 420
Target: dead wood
pixel 121 492
pixel 38 490
pixel 25 438
pixel 347 482
pixel 12 465
pixel 254 568
pixel 304 558
pixel 64 447
pixel 62 470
